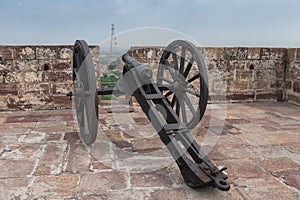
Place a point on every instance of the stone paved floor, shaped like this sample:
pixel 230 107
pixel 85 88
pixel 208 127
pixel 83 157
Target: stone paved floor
pixel 41 156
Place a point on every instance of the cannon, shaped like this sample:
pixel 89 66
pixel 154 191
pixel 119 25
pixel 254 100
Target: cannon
pixel 174 103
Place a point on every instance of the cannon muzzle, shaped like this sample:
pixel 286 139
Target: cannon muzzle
pixel 143 72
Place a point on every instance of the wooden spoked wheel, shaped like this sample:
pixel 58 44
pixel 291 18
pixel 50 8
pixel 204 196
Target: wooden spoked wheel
pixel 183 71
pixel 85 92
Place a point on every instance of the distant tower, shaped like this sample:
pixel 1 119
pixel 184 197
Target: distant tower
pixel 113 43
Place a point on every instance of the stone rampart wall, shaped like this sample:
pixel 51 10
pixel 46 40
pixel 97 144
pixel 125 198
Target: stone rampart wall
pixel 38 77
pixel 242 74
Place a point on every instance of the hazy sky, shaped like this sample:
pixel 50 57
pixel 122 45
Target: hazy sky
pixel 210 22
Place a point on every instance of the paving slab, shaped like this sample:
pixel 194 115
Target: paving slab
pixel 42 157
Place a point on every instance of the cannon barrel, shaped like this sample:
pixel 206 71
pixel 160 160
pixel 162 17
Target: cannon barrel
pixel 143 72
pixel 130 61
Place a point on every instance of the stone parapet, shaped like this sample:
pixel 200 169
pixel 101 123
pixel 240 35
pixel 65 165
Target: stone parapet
pixel 37 77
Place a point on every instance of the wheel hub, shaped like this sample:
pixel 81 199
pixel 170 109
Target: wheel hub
pixel 178 86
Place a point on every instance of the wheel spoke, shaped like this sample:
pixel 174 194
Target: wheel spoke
pixel 171 70
pixel 169 86
pixel 175 61
pixel 188 68
pixel 193 92
pixel 182 59
pixel 167 80
pixel 168 93
pixel 168 101
pixel 189 104
pixel 174 99
pixel 183 111
pixel 177 107
pixel 194 78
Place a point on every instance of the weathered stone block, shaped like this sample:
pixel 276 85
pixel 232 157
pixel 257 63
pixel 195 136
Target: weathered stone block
pixel 278 53
pixel 269 95
pixel 12 102
pixel 112 195
pixel 50 162
pixel 278 164
pixel 61 88
pixel 14 188
pixel 288 85
pixel 42 90
pixel 218 86
pixel 33 77
pixel 78 159
pixel 23 151
pixel 291 54
pixel 150 179
pixel 13 77
pixel 3 103
pixel 26 65
pixel 263 64
pixel 294 74
pixel 253 53
pixel 212 53
pixel 242 53
pixel 222 66
pixel 279 74
pixel 263 188
pixel 65 53
pixel 242 75
pixel 290 177
pixel 236 86
pixel 277 84
pixel 277 64
pixel 6 65
pixel 57 76
pixel 253 65
pixel 293 98
pixel 252 85
pixel 45 65
pixel 229 53
pixel 21 168
pixel 46 52
pixel 237 64
pixel 109 181
pixel 296 87
pixel 6 52
pixel 241 96
pixel 265 53
pixel 263 84
pixel 138 53
pixel 147 145
pixel 25 52
pixel 7 89
pixel 62 101
pixel 210 64
pixel 298 54
pixel 64 65
pixel 54 187
pixel 264 75
pixel 72 137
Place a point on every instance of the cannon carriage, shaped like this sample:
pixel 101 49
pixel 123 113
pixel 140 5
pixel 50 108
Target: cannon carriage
pixel 174 104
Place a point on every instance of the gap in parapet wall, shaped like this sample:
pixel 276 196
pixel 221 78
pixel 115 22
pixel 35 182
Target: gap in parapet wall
pixel 38 77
